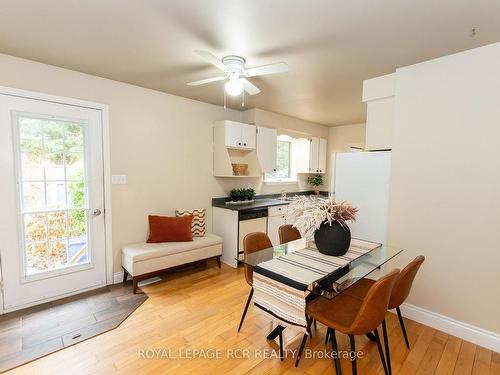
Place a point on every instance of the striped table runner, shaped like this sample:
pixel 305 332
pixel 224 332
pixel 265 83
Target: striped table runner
pixel 280 284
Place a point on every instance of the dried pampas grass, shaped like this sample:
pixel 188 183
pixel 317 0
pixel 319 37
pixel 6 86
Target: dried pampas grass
pixel 308 213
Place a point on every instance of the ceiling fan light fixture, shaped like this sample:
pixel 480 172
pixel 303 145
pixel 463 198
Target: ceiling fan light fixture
pixel 234 87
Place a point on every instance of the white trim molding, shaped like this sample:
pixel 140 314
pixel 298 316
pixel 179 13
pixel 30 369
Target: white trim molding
pixel 465 331
pixel 117 277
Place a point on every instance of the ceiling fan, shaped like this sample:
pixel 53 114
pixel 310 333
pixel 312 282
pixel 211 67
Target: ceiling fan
pixel 236 74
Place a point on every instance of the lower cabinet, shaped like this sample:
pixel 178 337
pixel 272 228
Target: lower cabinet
pixel 275 219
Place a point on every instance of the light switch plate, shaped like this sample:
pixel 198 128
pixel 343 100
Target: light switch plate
pixel 119 179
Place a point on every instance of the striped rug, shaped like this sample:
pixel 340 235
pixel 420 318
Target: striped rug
pixel 280 285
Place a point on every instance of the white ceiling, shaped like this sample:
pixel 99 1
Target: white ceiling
pixel 331 46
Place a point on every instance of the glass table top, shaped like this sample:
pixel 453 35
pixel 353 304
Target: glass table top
pixel 339 280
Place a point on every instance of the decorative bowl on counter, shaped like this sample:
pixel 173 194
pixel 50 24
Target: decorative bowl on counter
pixel 240 169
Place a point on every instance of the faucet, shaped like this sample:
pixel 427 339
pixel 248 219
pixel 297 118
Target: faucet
pixel 283 194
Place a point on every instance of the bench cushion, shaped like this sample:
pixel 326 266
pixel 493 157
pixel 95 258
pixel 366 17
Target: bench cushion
pixel 141 258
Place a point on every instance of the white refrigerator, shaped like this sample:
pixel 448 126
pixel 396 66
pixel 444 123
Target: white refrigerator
pixel 362 178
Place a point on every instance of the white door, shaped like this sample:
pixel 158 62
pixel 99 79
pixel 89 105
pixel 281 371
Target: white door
pixel 313 156
pixel 232 131
pixel 52 240
pixel 322 156
pixel 273 225
pixel 266 149
pixel 248 136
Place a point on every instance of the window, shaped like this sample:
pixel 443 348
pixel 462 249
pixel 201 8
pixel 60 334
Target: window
pixel 285 171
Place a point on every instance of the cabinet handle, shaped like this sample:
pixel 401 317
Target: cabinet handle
pixel 244 144
pixel 239 143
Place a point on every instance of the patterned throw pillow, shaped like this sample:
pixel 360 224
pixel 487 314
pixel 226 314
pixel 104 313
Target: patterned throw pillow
pixel 198 224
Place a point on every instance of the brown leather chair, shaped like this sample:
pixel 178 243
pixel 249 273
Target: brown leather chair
pixel 400 291
pixel 288 233
pixel 251 243
pixel 353 316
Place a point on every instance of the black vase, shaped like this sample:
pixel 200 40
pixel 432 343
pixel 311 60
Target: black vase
pixel 333 239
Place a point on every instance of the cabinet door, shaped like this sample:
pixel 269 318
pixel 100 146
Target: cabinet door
pixel 248 136
pixel 273 224
pixel 313 155
pixel 322 155
pixel 233 134
pixel 266 148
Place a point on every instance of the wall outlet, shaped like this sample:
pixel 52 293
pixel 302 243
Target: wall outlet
pixel 118 179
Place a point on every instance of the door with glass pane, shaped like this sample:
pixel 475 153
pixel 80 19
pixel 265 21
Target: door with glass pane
pixel 52 238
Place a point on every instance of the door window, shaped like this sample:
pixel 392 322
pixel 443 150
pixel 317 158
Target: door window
pixel 53 193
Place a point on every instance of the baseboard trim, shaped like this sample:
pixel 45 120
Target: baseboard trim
pixel 465 331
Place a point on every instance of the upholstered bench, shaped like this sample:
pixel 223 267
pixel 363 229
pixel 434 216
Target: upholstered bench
pixel 143 260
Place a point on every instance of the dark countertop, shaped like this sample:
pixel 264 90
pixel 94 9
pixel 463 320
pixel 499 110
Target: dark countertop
pixel 260 201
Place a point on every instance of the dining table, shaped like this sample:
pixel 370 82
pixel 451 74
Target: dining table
pixel 288 276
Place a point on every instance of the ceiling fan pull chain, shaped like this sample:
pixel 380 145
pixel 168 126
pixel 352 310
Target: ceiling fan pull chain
pixel 243 99
pixel 224 99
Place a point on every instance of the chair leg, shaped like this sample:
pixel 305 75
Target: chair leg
pixel 387 349
pixel 380 351
pixel 218 261
pixel 353 355
pixel 246 308
pixel 335 348
pixel 402 324
pixel 281 343
pixel 303 343
pixel 327 335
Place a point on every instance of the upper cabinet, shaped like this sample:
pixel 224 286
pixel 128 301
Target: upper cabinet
pixel 378 94
pixel 317 155
pixel 239 135
pixel 266 148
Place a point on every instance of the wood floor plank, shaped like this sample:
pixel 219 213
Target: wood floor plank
pixel 201 308
pixel 449 357
pixel 465 359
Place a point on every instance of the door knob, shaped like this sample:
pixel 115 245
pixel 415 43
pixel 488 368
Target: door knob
pixel 96 212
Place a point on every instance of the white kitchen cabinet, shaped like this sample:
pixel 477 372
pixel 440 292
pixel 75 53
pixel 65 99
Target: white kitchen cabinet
pixel 248 136
pixel 276 218
pixel 317 155
pixel 322 155
pixel 239 136
pixel 266 148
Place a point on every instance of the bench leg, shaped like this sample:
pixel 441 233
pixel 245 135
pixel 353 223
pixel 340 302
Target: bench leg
pixel 134 282
pixel 218 261
pixel 125 274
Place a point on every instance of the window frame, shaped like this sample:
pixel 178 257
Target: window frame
pixel 292 174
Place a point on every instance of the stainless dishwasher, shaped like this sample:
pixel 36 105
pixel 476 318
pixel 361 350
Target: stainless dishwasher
pixel 251 220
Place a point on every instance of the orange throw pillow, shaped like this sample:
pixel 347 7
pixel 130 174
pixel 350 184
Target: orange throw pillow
pixel 170 229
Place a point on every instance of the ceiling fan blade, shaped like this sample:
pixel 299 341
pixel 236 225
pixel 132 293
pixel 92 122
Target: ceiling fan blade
pixel 209 57
pixel 268 69
pixel 250 87
pixel 207 80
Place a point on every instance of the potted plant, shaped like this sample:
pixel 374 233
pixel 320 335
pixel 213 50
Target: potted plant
pixel 325 220
pixel 237 195
pixel 316 181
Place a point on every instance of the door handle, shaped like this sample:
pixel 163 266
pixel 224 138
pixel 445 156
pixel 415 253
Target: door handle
pixel 96 212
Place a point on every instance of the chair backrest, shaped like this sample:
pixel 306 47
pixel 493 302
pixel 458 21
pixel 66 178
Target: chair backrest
pixel 374 305
pixel 404 282
pixel 288 233
pixel 251 243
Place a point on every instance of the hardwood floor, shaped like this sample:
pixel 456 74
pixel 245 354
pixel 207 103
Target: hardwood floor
pixel 201 308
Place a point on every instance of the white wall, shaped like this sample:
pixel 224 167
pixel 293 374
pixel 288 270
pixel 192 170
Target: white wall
pixel 445 184
pixel 161 142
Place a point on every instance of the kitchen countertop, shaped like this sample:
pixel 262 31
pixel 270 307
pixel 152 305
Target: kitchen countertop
pixel 261 201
